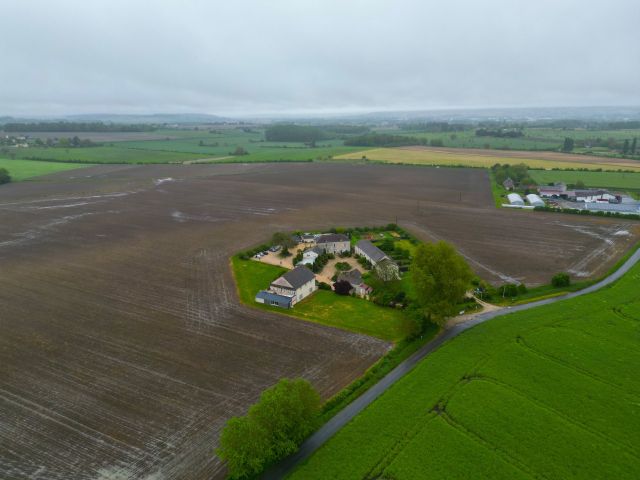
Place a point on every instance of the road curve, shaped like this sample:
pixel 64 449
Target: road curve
pixel 330 428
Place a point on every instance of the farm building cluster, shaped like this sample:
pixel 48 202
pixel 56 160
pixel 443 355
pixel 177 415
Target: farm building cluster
pixel 594 200
pixel 307 267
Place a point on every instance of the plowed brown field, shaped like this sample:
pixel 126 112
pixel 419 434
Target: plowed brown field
pixel 123 349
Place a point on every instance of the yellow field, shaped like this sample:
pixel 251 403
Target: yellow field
pixel 475 158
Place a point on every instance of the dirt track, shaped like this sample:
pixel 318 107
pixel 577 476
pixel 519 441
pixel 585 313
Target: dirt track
pixel 122 347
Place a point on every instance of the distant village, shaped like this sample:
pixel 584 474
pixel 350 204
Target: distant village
pixel 320 253
pixel 559 196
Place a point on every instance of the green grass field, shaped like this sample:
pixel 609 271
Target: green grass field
pixel 325 307
pixel 551 392
pixel 105 154
pixel 26 169
pixel 535 138
pixel 590 179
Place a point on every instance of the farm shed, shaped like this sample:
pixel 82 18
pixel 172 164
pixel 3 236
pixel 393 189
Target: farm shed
pixel 368 250
pixel 515 199
pixel 535 200
pixel 271 298
pixel 625 208
pixel 553 191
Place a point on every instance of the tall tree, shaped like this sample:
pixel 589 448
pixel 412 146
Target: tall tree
pixel 273 428
pixel 634 145
pixel 440 278
pixel 625 147
pixel 568 144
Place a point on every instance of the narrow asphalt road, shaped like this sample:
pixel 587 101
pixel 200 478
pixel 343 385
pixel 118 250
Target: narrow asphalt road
pixel 330 428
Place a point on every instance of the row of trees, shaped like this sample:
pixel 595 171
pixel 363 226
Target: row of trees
pixel 289 132
pixel 76 127
pixel 519 173
pixel 500 132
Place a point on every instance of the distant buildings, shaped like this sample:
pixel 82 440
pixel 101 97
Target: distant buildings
pixel 534 200
pixel 552 191
pixel 515 199
pixel 508 184
pixel 591 196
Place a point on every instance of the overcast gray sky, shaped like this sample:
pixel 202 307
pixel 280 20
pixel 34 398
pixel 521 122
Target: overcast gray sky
pixel 244 57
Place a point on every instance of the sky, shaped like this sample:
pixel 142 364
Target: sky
pixel 250 57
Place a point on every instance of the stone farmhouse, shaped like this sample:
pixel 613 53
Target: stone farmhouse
pixel 334 243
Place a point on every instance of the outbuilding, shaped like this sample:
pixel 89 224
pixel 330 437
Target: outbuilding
pixel 535 200
pixel 515 199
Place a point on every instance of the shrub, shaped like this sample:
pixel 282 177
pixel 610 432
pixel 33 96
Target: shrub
pixel 324 286
pixel 4 176
pixel 342 287
pixel 561 279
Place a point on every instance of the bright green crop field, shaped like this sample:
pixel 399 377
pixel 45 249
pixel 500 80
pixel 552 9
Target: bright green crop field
pixel 591 179
pixel 552 392
pixel 25 169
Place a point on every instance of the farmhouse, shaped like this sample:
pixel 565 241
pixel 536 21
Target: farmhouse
pixel 386 268
pixel 508 184
pixel 535 200
pixel 354 277
pixel 515 199
pixel 295 285
pixel 334 243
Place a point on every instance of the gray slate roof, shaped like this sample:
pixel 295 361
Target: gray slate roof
pixel 354 277
pixel 371 250
pixel 332 237
pixel 295 278
pixel 273 297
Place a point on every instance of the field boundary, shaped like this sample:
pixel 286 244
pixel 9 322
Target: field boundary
pixel 327 431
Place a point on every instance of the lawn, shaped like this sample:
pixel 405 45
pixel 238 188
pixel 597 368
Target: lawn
pixel 26 169
pixel 551 392
pixel 325 307
pixel 622 180
pixel 462 158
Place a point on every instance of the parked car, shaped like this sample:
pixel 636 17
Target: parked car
pixel 275 248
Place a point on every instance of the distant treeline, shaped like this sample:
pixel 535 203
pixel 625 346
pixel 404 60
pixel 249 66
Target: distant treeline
pixel 76 127
pixel 499 132
pixel 289 132
pixel 382 140
pixel 434 127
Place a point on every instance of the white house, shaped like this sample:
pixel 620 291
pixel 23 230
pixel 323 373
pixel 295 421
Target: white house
pixel 296 284
pixel 334 243
pixel 309 256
